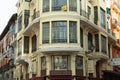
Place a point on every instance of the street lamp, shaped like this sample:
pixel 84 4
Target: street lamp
pixel 86 64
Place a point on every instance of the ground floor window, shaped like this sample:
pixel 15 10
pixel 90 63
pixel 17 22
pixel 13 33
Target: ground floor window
pixel 60 62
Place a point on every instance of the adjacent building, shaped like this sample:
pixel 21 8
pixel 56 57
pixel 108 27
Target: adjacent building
pixel 115 13
pixel 7 55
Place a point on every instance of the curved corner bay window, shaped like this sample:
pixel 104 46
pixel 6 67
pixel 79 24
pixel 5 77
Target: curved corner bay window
pixel 58 4
pixel 45 5
pixel 73 32
pixel 59 31
pixel 60 62
pixel 45 32
pixel 73 5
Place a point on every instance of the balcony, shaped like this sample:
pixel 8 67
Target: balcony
pixel 88 21
pixel 58 47
pixel 22 59
pixel 98 56
pixel 35 15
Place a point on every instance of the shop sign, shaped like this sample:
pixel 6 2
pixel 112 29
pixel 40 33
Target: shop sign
pixel 115 61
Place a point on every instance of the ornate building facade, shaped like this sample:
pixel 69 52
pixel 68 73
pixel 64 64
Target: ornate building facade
pixel 61 40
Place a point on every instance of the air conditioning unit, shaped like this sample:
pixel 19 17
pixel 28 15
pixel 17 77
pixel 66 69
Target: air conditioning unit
pixel 64 8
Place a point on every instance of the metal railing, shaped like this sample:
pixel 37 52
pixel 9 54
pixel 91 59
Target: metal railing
pixel 36 15
pixel 84 14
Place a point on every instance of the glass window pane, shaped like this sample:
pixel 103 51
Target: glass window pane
pixel 20 23
pixel 26 18
pixel 26 44
pixel 79 62
pixel 60 62
pixel 90 44
pixel 34 43
pixel 81 37
pixel 73 5
pixel 57 4
pixel 73 32
pixel 19 46
pixel 45 5
pixel 45 33
pixel 43 63
pixel 59 31
pixel 102 18
pixel 103 45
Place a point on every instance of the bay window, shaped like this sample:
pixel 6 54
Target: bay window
pixel 73 32
pixel 59 31
pixel 45 33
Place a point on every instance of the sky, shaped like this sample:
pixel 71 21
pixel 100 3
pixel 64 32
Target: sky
pixel 7 8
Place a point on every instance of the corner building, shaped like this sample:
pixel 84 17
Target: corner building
pixel 62 39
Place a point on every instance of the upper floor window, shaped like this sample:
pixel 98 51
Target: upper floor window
pixel 12 29
pixel 103 44
pixel 46 5
pixel 95 14
pixel 19 22
pixel 20 46
pixel 96 42
pixel 58 4
pixel 59 31
pixel 102 18
pixel 73 32
pixel 81 37
pixel 26 17
pixel 45 33
pixel 34 43
pixel 90 44
pixel 26 44
pixel 73 5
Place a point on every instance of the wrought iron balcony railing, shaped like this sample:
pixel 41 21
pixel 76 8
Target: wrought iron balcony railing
pixel 35 15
